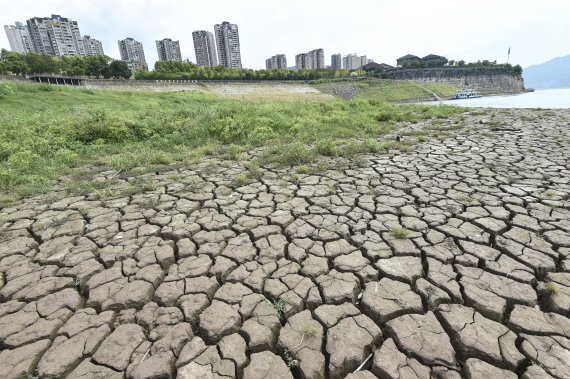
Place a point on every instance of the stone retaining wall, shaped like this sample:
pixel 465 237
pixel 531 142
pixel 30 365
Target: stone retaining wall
pixel 487 80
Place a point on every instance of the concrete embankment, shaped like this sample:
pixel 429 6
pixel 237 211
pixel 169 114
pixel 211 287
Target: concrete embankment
pixel 487 80
pixel 229 88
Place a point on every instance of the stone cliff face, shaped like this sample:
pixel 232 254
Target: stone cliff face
pixel 487 80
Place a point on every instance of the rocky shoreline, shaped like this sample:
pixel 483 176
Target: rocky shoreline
pixel 450 261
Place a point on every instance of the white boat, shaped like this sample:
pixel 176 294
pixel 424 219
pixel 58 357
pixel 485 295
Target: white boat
pixel 465 94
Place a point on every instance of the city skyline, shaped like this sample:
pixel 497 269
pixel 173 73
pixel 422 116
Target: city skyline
pixel 226 44
pixel 386 31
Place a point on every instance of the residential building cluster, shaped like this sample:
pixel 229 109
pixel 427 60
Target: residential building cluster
pixel 353 61
pixel 221 48
pixel 55 36
pixel 59 36
pixel 278 61
pixel 314 59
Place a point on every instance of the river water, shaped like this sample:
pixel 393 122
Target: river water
pixel 552 98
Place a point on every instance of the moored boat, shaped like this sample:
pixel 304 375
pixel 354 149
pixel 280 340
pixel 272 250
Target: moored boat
pixel 465 94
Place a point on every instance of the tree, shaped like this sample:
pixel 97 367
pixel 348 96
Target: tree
pixel 96 65
pixel 13 62
pixel 517 70
pixel 73 65
pixel 41 63
pixel 119 69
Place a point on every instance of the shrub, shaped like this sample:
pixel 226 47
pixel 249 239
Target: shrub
pixel 23 159
pixel 327 148
pixel 240 180
pixel 66 156
pixel 399 232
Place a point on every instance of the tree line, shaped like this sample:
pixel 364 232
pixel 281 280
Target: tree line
pixel 444 63
pixel 99 66
pixel 175 70
pixel 102 66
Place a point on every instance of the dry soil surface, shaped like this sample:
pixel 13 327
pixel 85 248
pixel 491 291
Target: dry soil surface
pixel 452 261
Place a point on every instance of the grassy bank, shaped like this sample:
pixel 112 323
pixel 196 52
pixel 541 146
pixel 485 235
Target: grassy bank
pixel 47 130
pixel 389 90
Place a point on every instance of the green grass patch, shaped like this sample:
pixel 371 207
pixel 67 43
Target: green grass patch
pixel 390 90
pixel 399 233
pixel 48 130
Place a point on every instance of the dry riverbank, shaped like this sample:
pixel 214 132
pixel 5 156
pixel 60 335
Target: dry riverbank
pixel 451 260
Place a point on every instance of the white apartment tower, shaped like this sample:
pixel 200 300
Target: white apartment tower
pixel 168 50
pixel 55 36
pixel 353 61
pixel 336 62
pixel 205 48
pixel 19 38
pixel 278 61
pixel 227 39
pixel 317 57
pixel 132 52
pixel 92 46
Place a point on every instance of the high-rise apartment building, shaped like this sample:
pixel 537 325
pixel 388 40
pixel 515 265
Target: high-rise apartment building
pixel 168 50
pixel 227 39
pixel 353 61
pixel 55 36
pixel 205 48
pixel 92 46
pixel 278 61
pixel 336 62
pixel 303 61
pixel 18 38
pixel 317 58
pixel 132 52
pixel 350 62
pixel 312 60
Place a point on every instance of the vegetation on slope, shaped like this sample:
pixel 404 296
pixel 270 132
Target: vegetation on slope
pixel 388 90
pixel 46 130
pixel 190 71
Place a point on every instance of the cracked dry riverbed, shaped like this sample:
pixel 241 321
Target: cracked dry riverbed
pixel 451 261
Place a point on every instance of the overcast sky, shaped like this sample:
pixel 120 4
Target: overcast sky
pixel 383 30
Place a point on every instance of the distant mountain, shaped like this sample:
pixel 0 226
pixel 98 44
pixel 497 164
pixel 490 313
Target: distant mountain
pixel 552 74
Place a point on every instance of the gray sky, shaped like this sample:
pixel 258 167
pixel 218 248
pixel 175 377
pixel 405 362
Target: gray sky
pixel 383 30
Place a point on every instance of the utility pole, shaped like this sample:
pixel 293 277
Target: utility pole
pixel 509 55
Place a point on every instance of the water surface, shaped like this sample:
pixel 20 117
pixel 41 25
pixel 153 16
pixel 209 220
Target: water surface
pixel 552 98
